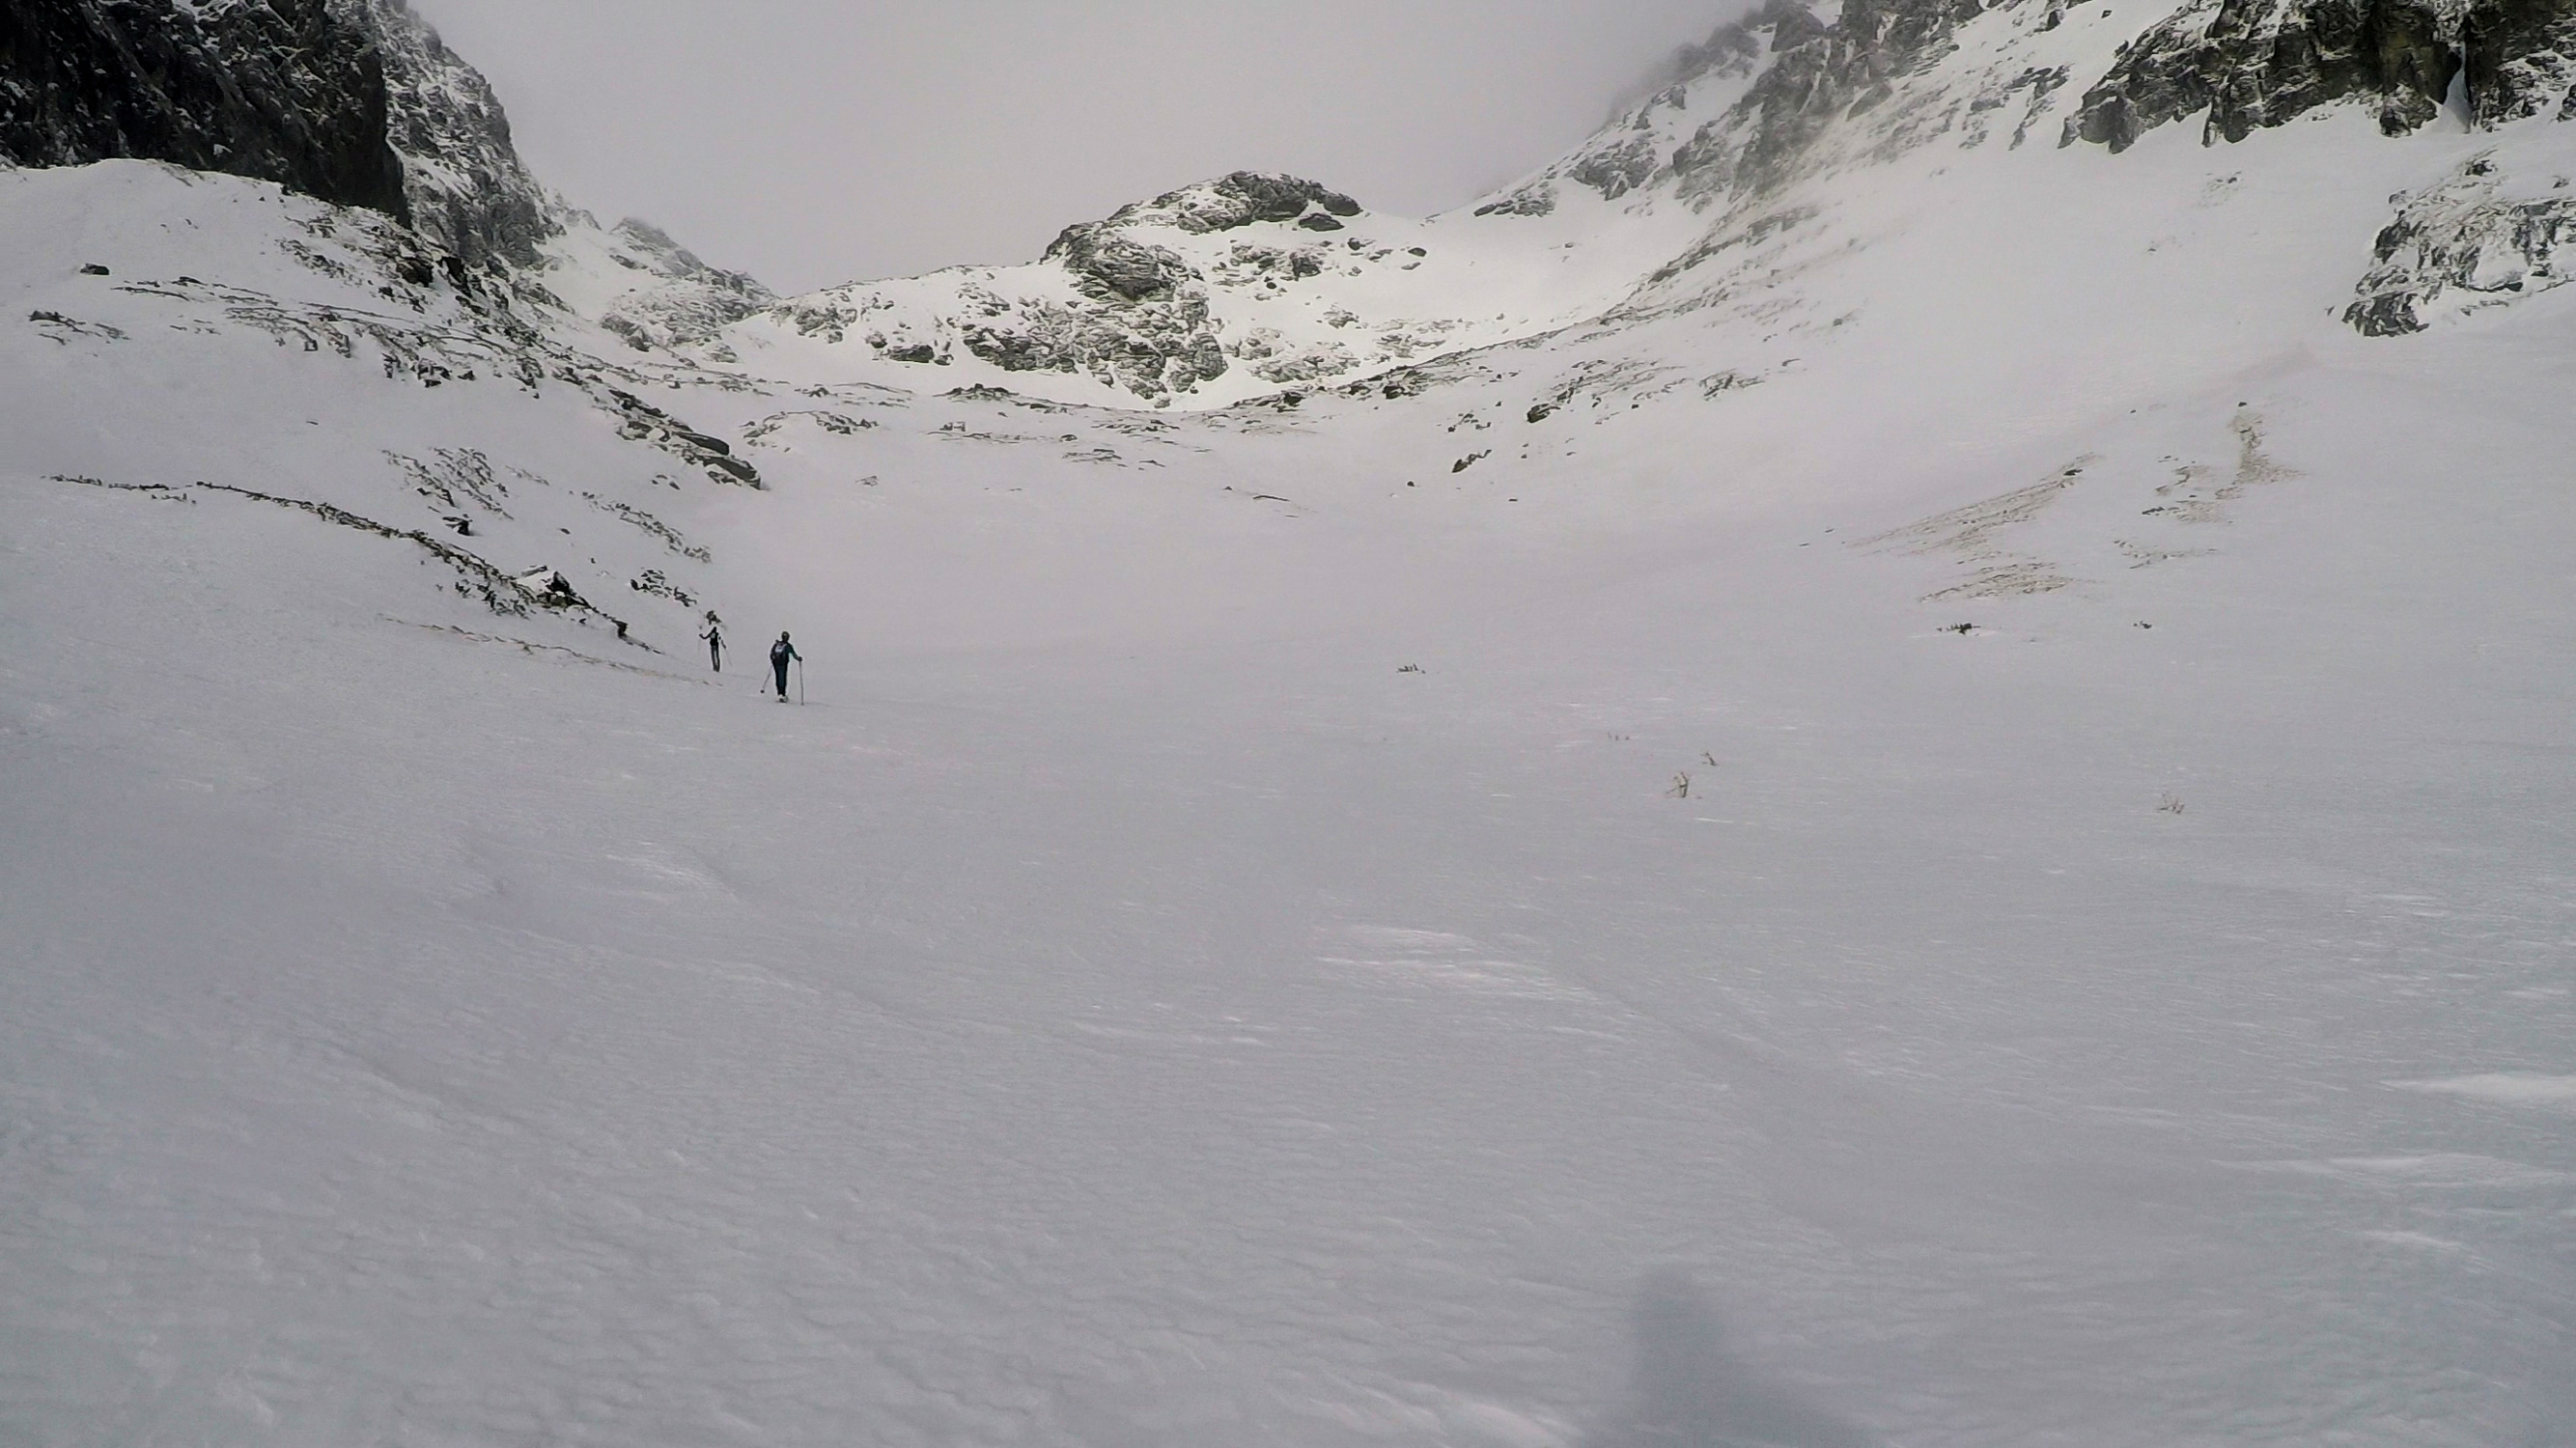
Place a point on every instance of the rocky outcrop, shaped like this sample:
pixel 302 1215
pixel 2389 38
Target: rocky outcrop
pixel 2250 64
pixel 1151 351
pixel 2476 240
pixel 290 91
pixel 1108 266
pixel 641 421
pixel 2256 63
pixel 464 187
pixel 1239 200
pixel 1117 300
pixel 1768 116
pixel 1819 77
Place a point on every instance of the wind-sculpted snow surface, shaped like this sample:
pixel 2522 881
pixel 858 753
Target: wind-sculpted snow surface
pixel 1897 793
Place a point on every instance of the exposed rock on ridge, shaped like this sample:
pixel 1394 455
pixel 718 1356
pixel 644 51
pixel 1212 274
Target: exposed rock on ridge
pixel 1820 77
pixel 1237 201
pixel 1769 116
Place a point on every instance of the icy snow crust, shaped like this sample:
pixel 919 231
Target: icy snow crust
pixel 1962 843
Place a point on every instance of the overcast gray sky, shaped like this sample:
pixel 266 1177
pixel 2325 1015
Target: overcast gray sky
pixel 818 141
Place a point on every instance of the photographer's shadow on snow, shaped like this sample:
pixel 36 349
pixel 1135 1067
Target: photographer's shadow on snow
pixel 1689 1392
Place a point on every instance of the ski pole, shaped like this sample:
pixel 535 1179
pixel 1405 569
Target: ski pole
pixel 800 681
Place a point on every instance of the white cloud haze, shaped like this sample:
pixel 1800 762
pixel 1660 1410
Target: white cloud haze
pixel 814 141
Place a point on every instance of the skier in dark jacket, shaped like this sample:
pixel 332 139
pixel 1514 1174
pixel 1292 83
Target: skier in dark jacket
pixel 715 642
pixel 779 653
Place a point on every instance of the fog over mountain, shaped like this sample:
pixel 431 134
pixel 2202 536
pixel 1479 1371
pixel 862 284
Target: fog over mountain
pixel 814 142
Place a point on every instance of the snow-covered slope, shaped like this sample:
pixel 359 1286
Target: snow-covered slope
pixel 1909 790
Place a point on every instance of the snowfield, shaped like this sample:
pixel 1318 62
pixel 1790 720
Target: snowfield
pixel 1949 828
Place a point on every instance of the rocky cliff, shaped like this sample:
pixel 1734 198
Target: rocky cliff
pixel 464 185
pixel 356 102
pixel 290 91
pixel 2255 63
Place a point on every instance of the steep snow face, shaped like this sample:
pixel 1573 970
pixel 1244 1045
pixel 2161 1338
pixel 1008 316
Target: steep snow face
pixel 230 263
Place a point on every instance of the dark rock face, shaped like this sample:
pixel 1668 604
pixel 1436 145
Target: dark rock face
pixel 2520 54
pixel 1530 201
pixel 1617 170
pixel 1240 200
pixel 2256 63
pixel 1236 201
pixel 464 185
pixel 356 102
pixel 283 90
pixel 1825 77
